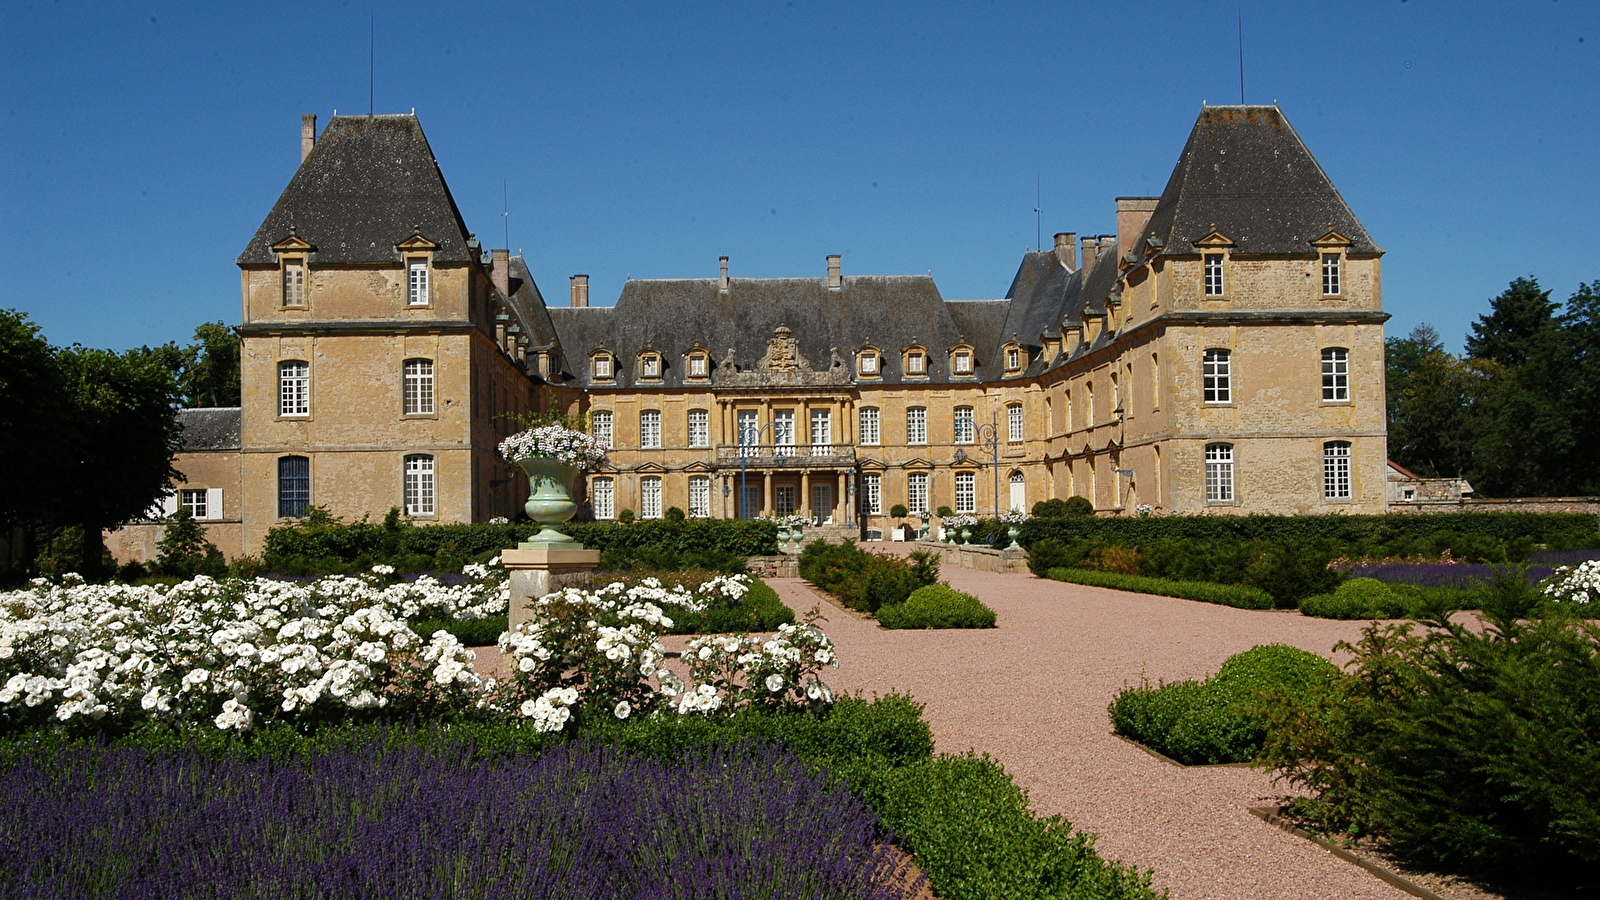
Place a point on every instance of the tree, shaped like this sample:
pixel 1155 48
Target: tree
pixel 1582 322
pixel 1428 399
pixel 206 371
pixel 1518 318
pixel 32 414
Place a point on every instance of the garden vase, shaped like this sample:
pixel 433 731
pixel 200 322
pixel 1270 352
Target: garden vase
pixel 783 536
pixel 551 484
pixel 1013 532
pixel 966 535
pixel 796 534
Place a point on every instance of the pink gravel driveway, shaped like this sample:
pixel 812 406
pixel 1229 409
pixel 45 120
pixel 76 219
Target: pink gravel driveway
pixel 1032 693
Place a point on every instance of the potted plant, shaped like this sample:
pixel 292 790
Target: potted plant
pixel 1013 519
pixel 554 454
pixel 899 512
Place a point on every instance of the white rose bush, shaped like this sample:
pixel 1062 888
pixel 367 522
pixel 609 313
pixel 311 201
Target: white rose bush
pixel 1578 584
pixel 232 653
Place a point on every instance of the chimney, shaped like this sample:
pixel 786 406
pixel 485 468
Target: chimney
pixel 308 134
pixel 833 272
pixel 1133 213
pixel 500 271
pixel 580 290
pixel 1067 250
pixel 722 283
pixel 1089 246
pixel 1105 241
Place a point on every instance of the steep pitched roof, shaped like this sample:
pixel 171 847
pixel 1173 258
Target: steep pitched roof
pixel 209 428
pixel 1245 173
pixel 368 182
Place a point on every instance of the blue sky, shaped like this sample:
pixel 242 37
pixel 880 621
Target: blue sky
pixel 142 143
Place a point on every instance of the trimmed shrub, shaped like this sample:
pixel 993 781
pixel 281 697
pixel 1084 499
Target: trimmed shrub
pixel 865 581
pixel 758 610
pixel 937 606
pixel 484 632
pixel 1052 554
pixel 1240 596
pixel 1220 719
pixel 1368 598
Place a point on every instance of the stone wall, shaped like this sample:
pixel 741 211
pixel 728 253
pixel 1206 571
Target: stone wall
pixel 1492 505
pixel 977 557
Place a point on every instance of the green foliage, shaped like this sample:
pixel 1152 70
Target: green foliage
pixel 1464 747
pixel 944 512
pixel 758 610
pixel 865 581
pixel 899 511
pixel 625 517
pixel 1079 507
pixel 207 371
pixel 1241 596
pixel 484 632
pixel 1050 554
pixel 1054 508
pixel 183 550
pixel 1220 719
pixel 32 419
pixel 674 514
pixel 937 606
pixel 1368 598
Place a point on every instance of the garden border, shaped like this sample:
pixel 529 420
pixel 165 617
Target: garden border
pixel 1172 762
pixel 1271 816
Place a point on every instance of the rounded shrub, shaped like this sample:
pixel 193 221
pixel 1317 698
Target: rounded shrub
pixel 937 606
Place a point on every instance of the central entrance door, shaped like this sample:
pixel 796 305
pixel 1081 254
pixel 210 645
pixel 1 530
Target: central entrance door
pixel 822 504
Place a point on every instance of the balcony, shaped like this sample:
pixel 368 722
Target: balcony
pixel 786 456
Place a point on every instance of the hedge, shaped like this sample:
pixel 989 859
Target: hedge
pixel 937 606
pixel 1241 596
pixel 866 581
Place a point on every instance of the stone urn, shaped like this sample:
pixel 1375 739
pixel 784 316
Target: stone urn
pixel 797 532
pixel 1012 532
pixel 551 484
pixel 966 535
pixel 783 538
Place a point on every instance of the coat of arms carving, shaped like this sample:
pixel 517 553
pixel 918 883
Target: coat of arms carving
pixel 783 353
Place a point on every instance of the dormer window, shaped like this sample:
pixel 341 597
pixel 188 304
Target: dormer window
pixel 961 362
pixel 1214 283
pixel 867 363
pixel 294 282
pixel 650 366
pixel 1013 359
pixel 1330 274
pixel 602 367
pixel 699 365
pixel 916 362
pixel 417 282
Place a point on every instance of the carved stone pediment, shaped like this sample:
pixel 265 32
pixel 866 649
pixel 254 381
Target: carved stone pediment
pixel 783 364
pixel 783 353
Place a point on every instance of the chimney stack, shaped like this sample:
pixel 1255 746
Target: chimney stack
pixel 580 290
pixel 1089 247
pixel 834 279
pixel 500 271
pixel 308 134
pixel 1067 250
pixel 1133 213
pixel 722 283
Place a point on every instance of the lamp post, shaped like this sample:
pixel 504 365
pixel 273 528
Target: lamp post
pixel 751 437
pixel 987 437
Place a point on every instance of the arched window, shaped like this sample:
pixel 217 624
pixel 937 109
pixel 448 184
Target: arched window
pixel 294 486
pixel 1014 423
pixel 917 492
pixel 419 485
pixel 650 428
pixel 1335 374
pixel 294 388
pixel 1336 470
pixel 1216 374
pixel 1219 473
pixel 418 387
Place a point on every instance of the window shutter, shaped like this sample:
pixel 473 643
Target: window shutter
pixel 214 503
pixel 169 504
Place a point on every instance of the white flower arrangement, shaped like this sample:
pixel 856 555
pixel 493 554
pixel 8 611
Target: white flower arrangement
pixel 960 521
pixel 1013 516
pixel 1575 584
pixel 568 445
pixel 1144 510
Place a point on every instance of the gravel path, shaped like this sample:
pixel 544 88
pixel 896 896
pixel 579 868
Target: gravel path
pixel 1033 694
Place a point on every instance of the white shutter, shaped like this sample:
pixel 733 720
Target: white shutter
pixel 169 504
pixel 214 503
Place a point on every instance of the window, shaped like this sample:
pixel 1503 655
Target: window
pixel 600 426
pixel 963 362
pixel 917 492
pixel 869 426
pixel 1216 375
pixel 1014 426
pixel 1335 374
pixel 650 366
pixel 700 496
pixel 1219 473
pixel 294 283
pixel 194 500
pixel 294 388
pixel 602 367
pixel 418 387
pixel 871 494
pixel 1213 274
pixel 417 282
pixel 917 425
pixel 699 428
pixel 869 362
pixel 749 427
pixel 963 425
pixel 1336 470
pixel 698 366
pixel 1155 381
pixel 1330 274
pixel 1013 359
pixel 916 362
pixel 294 486
pixel 821 432
pixel 1089 396
pixel 783 427
pixel 419 491
pixel 650 497
pixel 650 428
pixel 966 492
pixel 602 498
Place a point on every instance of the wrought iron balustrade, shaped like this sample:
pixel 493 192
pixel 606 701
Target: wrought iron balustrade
pixel 787 456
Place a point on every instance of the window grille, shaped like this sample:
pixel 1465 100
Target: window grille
pixel 419 486
pixel 418 387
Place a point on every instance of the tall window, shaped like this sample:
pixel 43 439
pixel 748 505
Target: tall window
pixel 700 496
pixel 294 486
pixel 821 432
pixel 1219 473
pixel 966 492
pixel 294 283
pixel 1216 375
pixel 917 425
pixel 1213 274
pixel 1014 426
pixel 650 428
pixel 419 493
pixel 917 492
pixel 650 497
pixel 194 500
pixel 783 427
pixel 963 423
pixel 418 387
pixel 1336 470
pixel 869 434
pixel 1089 400
pixel 1330 274
pixel 1013 359
pixel 749 427
pixel 1335 374
pixel 417 282
pixel 603 498
pixel 600 426
pixel 294 388
pixel 1155 381
pixel 871 494
pixel 699 428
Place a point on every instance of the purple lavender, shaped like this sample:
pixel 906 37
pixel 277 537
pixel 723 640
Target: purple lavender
pixel 1454 575
pixel 419 823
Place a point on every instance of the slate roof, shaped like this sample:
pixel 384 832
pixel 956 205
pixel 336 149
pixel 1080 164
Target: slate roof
pixel 529 306
pixel 368 182
pixel 889 312
pixel 209 428
pixel 1246 173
